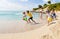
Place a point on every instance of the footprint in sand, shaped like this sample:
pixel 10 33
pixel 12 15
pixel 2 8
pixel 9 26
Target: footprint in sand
pixel 46 37
pixel 34 23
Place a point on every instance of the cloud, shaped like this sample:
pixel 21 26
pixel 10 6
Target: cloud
pixel 45 0
pixel 8 5
pixel 52 1
pixel 5 5
pixel 24 0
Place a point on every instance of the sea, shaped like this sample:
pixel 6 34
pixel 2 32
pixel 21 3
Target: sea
pixel 15 15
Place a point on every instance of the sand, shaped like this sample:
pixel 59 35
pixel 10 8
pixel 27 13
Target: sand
pixel 19 26
pixel 45 32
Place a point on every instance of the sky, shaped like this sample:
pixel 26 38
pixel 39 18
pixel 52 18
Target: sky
pixel 22 4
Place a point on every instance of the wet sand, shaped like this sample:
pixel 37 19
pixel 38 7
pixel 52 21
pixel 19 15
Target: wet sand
pixel 18 26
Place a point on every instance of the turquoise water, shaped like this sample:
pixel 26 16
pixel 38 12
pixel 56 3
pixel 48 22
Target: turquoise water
pixel 14 15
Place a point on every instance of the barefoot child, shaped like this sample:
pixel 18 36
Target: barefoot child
pixel 53 14
pixel 29 14
pixel 49 18
pixel 25 17
pixel 41 13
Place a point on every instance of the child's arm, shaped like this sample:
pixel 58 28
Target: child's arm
pixel 24 17
pixel 46 16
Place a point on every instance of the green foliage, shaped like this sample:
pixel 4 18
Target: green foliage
pixel 35 8
pixel 49 2
pixel 45 5
pixel 55 6
pixel 39 6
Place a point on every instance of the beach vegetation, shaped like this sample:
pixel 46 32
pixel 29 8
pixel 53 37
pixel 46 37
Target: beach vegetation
pixel 50 6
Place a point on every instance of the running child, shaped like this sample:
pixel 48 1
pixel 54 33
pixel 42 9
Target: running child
pixel 53 14
pixel 29 14
pixel 25 17
pixel 49 17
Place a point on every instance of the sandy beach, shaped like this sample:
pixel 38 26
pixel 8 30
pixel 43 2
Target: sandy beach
pixel 18 26
pixel 22 30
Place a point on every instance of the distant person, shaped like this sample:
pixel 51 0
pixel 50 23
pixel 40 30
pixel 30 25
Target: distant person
pixel 29 14
pixel 25 17
pixel 48 11
pixel 53 14
pixel 49 17
pixel 41 12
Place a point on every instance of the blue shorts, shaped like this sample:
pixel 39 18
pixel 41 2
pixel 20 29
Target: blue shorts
pixel 54 15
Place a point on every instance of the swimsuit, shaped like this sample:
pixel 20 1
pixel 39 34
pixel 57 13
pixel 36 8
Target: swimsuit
pixel 49 17
pixel 30 16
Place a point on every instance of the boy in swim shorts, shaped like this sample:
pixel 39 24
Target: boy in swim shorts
pixel 29 14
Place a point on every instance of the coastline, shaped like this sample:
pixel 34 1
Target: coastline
pixel 19 26
pixel 50 32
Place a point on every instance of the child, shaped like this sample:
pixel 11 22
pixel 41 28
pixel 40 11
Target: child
pixel 49 18
pixel 41 13
pixel 30 17
pixel 25 17
pixel 53 14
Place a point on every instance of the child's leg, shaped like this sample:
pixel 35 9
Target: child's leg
pixel 48 23
pixel 41 15
pixel 29 21
pixel 54 15
pixel 49 20
pixel 33 21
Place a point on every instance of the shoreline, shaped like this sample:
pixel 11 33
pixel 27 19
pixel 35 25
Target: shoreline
pixel 50 32
pixel 19 26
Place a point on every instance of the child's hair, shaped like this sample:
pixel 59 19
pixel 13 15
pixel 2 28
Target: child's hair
pixel 23 12
pixel 27 11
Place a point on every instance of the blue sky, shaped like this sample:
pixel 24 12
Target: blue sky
pixel 22 4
